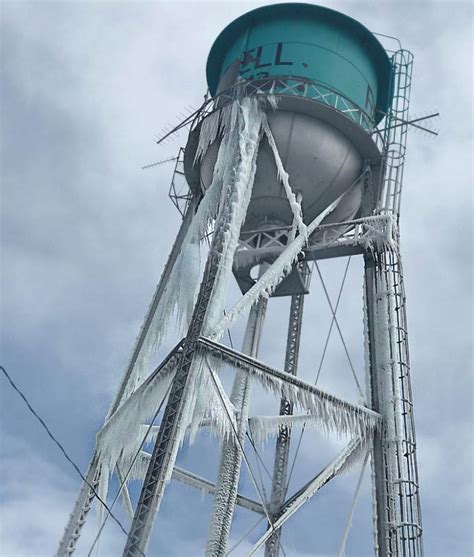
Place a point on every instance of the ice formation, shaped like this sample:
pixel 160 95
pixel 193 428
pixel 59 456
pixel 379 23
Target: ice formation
pixel 345 460
pixel 239 127
pixel 231 453
pixel 180 293
pixel 267 283
pixel 238 172
pixel 226 200
pixel 336 416
pixel 265 427
pixel 284 178
pixel 122 435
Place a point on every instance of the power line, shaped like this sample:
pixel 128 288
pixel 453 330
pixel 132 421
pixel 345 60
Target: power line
pixel 61 448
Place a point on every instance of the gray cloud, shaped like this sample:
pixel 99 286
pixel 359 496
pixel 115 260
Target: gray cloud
pixel 85 235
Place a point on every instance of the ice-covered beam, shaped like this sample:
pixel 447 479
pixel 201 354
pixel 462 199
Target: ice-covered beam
pixel 352 238
pixel 126 500
pixel 350 454
pixel 336 415
pixel 200 483
pixel 119 440
pixel 273 275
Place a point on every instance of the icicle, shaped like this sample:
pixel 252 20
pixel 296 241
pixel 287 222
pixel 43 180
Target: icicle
pixel 140 467
pixel 273 101
pixel 228 195
pixel 343 461
pixel 285 180
pixel 235 209
pixel 119 439
pixel 219 122
pixel 206 403
pixel 272 277
pixel 381 234
pixel 264 427
pixel 335 415
pixel 102 490
pixel 207 134
pixel 180 293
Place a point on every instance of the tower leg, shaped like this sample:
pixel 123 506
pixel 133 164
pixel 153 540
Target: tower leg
pixel 394 469
pixel 282 451
pixel 231 457
pixel 77 519
pixel 233 207
pixel 168 440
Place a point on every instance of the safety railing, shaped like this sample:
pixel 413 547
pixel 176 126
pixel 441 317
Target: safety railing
pixel 295 87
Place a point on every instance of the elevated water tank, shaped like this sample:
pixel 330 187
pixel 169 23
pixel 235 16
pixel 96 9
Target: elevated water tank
pixel 332 78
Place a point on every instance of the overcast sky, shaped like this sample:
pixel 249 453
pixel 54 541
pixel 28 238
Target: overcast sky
pixel 85 233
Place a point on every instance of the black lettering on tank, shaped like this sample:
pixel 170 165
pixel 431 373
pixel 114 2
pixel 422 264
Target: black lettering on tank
pixel 258 57
pixel 278 60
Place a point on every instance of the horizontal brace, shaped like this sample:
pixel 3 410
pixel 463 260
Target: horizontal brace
pixel 239 360
pixel 341 249
pixel 200 483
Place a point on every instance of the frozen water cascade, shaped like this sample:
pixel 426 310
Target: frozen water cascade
pixel 295 206
pixel 265 427
pixel 238 176
pixel 226 202
pixel 267 283
pixel 180 294
pixel 228 196
pixel 121 436
pixel 295 156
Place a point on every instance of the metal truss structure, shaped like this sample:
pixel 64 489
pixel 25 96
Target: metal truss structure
pixel 295 87
pixel 179 190
pixel 384 426
pixel 282 449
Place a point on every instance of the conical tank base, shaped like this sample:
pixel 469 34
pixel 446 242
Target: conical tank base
pixel 323 152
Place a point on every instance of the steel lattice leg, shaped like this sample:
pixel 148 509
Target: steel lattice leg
pixel 167 442
pixel 282 451
pixel 169 436
pixel 231 457
pixel 395 475
pixel 72 532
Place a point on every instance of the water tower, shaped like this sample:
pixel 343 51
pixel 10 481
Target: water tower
pixel 296 155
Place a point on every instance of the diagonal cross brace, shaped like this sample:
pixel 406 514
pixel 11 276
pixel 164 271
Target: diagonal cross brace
pixel 202 484
pixel 198 482
pixel 340 415
pixel 337 465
